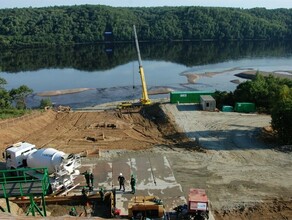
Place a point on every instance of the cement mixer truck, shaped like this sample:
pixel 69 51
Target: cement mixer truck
pixel 62 167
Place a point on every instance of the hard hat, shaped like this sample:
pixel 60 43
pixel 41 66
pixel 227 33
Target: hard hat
pixel 121 174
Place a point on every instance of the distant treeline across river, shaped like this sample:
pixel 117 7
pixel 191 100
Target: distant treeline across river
pixel 27 27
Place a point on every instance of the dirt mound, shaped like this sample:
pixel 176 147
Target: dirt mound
pixel 19 129
pixel 268 210
pixel 75 132
pixel 167 126
pixel 14 209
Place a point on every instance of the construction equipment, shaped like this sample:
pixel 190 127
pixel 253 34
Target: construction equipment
pixel 196 208
pixel 61 167
pixel 198 205
pixel 142 207
pixel 144 99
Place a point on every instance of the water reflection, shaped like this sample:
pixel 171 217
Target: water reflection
pixel 112 76
pixel 95 58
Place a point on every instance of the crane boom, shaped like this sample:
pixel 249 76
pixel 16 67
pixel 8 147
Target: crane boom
pixel 145 99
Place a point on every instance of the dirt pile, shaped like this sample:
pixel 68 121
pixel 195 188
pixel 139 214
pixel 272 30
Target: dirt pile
pixel 19 129
pixel 14 209
pixel 268 210
pixel 76 132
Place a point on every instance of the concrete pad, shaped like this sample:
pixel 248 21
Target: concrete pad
pixel 153 175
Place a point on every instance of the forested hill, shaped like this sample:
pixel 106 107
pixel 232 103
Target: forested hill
pixel 88 23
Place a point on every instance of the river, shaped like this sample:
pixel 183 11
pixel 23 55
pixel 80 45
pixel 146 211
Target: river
pixel 108 72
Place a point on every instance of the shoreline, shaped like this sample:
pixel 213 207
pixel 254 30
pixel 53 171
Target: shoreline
pixel 62 92
pixel 251 74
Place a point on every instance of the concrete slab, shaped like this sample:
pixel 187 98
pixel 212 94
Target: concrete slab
pixel 153 175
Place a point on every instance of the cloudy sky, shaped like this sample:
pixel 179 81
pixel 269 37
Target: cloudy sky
pixel 147 3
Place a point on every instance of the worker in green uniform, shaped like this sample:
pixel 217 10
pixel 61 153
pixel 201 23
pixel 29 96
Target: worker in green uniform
pixel 73 212
pixel 133 184
pixel 101 193
pixel 84 195
pixel 86 175
pixel 91 178
pixel 84 192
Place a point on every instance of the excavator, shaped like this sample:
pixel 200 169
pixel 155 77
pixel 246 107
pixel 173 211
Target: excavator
pixel 144 99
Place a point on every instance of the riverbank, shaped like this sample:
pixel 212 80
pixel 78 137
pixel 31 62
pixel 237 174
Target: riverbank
pixel 62 92
pixel 251 74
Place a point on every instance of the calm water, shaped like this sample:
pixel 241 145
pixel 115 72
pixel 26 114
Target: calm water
pixel 114 76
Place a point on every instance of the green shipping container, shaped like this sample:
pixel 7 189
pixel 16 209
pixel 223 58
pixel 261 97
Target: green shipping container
pixel 227 108
pixel 245 107
pixel 188 96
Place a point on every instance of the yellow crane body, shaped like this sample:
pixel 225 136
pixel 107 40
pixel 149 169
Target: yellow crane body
pixel 145 99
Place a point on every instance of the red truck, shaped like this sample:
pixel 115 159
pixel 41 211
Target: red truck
pixel 198 205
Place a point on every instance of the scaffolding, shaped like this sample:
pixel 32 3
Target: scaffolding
pixel 19 183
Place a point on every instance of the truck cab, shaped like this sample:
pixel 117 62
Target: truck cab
pixel 198 204
pixel 16 154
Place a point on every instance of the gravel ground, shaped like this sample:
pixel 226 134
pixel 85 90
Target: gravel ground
pixel 238 168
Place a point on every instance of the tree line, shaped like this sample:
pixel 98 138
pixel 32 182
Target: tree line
pixel 13 102
pixel 271 95
pixel 89 23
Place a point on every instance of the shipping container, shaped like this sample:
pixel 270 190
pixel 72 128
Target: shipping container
pixel 187 96
pixel 245 107
pixel 227 108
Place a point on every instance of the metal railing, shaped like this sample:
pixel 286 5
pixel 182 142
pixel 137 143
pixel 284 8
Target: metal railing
pixel 20 182
pixel 19 179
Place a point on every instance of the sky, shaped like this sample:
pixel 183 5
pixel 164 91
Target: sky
pixel 269 4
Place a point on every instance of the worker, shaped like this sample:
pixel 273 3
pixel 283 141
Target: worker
pixel 91 177
pixel 86 175
pixel 101 193
pixel 84 195
pixel 121 180
pixel 73 212
pixel 133 184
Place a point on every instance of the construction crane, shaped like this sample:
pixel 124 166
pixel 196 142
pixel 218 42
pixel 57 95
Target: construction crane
pixel 144 99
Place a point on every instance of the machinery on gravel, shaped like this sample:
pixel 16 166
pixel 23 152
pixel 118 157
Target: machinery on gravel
pixel 62 167
pixel 197 207
pixel 145 207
